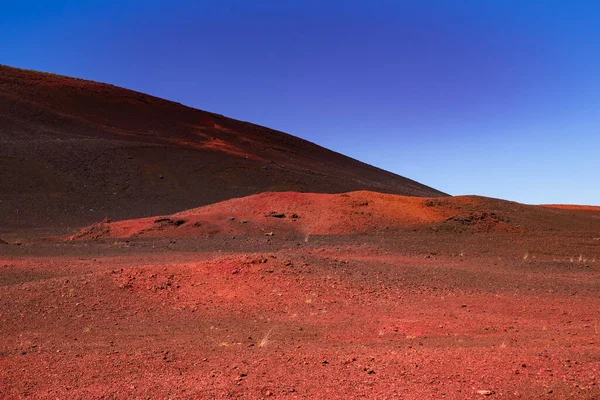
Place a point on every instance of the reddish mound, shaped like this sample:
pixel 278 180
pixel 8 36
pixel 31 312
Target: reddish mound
pixel 282 213
pixel 302 214
pixel 86 150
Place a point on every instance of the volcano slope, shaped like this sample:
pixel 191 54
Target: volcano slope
pixel 357 295
pixel 74 151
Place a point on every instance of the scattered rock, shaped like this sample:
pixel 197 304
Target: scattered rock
pixel 276 214
pixel 478 218
pixel 3 242
pixel 166 222
pixel 269 234
pixel 485 392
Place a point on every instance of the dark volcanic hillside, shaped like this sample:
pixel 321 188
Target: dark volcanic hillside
pixel 75 151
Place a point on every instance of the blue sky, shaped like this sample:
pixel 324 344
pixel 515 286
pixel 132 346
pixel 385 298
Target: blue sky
pixel 499 98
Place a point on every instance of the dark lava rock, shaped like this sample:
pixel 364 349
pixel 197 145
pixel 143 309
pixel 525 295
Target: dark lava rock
pixel 164 222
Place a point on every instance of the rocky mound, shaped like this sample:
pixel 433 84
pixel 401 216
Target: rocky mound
pixel 303 214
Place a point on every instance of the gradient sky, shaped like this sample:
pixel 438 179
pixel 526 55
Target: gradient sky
pixel 499 98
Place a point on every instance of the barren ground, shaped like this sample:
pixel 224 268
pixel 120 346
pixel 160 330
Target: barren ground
pixel 412 315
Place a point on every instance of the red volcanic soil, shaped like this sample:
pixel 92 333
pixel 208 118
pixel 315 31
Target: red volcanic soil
pixel 74 151
pixel 424 314
pixel 460 298
pixel 304 214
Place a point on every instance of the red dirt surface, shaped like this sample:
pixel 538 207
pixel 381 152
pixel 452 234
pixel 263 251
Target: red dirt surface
pixel 417 315
pixel 441 305
pixel 85 150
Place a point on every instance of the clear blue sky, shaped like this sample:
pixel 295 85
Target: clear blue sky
pixel 499 97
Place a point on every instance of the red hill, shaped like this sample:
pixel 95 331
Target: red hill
pixel 73 151
pixel 304 214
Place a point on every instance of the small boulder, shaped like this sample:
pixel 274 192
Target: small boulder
pixel 165 222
